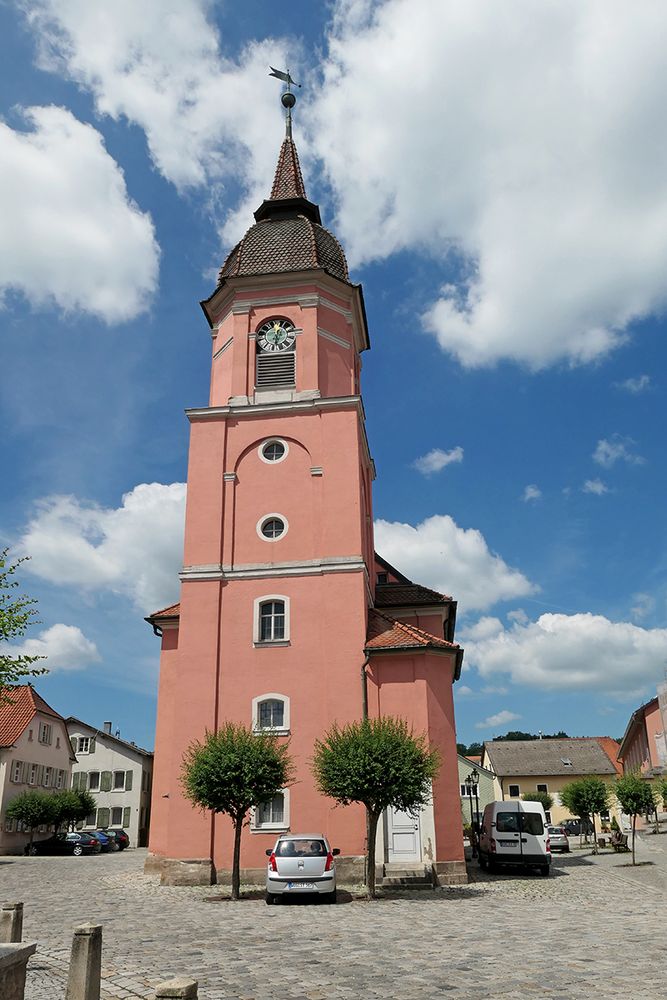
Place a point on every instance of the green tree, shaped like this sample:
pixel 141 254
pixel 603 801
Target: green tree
pixel 71 806
pixel 33 809
pixel 585 798
pixel 379 763
pixel 17 613
pixel 543 797
pixel 661 792
pixel 635 796
pixel 233 770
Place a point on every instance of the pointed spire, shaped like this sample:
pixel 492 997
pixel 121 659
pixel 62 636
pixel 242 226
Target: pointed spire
pixel 288 180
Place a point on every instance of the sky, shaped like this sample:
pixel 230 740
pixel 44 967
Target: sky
pixel 497 174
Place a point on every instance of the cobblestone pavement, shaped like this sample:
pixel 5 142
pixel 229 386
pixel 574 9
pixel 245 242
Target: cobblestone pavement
pixel 589 930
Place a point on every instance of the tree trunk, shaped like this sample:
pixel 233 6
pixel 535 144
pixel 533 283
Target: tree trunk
pixel 634 820
pixel 595 839
pixel 236 862
pixel 371 827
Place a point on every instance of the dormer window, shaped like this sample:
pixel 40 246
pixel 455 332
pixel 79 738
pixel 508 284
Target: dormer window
pixel 276 357
pixel 383 578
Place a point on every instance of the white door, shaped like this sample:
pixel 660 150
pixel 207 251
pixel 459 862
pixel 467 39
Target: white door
pixel 403 836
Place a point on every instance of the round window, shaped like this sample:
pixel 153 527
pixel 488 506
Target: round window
pixel 273 450
pixel 272 528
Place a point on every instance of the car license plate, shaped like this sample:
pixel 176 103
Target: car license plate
pixel 301 885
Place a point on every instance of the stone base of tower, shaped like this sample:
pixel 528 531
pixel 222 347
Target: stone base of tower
pixel 449 873
pixel 181 871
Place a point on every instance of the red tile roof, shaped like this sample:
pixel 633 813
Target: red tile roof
pixel 173 611
pixel 288 180
pixel 394 595
pixel 612 749
pixel 387 633
pixel 17 713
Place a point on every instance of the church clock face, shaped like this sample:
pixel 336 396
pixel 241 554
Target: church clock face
pixel 276 335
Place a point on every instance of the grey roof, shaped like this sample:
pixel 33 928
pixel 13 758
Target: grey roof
pixel 517 757
pixel 109 736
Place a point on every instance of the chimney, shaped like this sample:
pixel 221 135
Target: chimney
pixel 107 728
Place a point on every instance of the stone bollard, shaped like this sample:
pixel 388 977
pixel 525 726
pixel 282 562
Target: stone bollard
pixel 13 962
pixel 11 923
pixel 177 989
pixel 85 967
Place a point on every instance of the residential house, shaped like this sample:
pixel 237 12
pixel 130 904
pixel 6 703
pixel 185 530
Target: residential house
pixel 643 746
pixel 522 766
pixel 35 754
pixel 485 787
pixel 117 774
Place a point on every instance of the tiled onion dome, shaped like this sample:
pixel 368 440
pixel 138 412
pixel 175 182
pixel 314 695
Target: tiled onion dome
pixel 287 235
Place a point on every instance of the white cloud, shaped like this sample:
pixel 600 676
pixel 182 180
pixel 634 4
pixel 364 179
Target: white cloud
pixel 616 449
pixel 158 64
pixel 463 690
pixel 437 459
pixel 456 561
pixel 635 385
pixel 518 615
pixel 64 646
pixel 70 234
pixel 643 607
pixel 494 689
pixel 595 486
pixel 135 550
pixel 531 492
pixel 581 652
pixel 499 719
pixel 527 145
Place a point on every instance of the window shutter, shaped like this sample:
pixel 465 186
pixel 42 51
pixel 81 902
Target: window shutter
pixel 103 818
pixel 126 816
pixel 75 780
pixel 91 746
pixel 275 370
pixel 105 781
pixel 128 781
pixel 40 775
pixel 83 781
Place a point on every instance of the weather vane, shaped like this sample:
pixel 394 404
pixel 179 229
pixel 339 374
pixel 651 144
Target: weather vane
pixel 288 99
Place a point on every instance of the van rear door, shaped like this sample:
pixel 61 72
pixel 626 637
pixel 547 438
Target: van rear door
pixel 533 837
pixel 508 835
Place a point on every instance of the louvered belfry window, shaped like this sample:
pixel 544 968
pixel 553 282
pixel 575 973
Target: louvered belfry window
pixel 276 371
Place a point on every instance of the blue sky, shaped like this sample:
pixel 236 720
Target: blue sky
pixel 500 185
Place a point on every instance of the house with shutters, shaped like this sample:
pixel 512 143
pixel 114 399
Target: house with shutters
pixel 118 774
pixel 35 755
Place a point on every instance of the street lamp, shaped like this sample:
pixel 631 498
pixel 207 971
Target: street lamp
pixel 471 782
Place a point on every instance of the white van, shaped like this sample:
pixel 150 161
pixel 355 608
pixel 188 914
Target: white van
pixel 514 833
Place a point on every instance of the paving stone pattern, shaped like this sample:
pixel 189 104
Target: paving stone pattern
pixel 591 929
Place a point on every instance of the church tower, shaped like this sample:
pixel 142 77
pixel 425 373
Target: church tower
pixel 279 624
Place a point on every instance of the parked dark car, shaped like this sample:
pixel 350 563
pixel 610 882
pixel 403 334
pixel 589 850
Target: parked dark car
pixel 575 827
pixel 118 837
pixel 66 843
pixel 105 842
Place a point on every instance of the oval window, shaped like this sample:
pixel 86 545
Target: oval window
pixel 272 528
pixel 273 451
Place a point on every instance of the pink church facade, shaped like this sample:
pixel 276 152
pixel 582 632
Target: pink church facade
pixel 287 620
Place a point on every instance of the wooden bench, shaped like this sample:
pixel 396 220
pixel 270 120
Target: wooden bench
pixel 620 843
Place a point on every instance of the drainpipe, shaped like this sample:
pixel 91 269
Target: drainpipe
pixel 364 689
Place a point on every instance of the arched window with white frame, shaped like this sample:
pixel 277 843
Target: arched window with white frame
pixel 271 625
pixel 271 713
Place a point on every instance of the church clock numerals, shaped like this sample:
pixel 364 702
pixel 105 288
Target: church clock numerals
pixel 276 335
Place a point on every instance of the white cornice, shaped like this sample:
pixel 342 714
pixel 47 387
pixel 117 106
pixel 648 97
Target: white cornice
pixel 291 406
pixel 333 338
pixel 306 567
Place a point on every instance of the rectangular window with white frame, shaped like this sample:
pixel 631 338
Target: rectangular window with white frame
pixel 513 791
pixel 543 788
pixel 94 781
pixel 273 815
pixel 83 744
pixel 45 733
pixel 32 777
pixel 17 772
pixel 48 771
pixel 116 816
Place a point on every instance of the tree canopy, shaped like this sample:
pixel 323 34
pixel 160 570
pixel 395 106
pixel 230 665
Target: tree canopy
pixel 233 770
pixel 586 798
pixel 379 763
pixel 545 798
pixel 33 809
pixel 17 613
pixel 635 796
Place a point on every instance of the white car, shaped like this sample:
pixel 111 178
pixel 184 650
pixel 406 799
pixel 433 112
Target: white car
pixel 301 863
